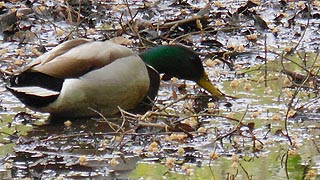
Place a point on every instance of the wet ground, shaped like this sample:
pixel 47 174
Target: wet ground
pixel 264 53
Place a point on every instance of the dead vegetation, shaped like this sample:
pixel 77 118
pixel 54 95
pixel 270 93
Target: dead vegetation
pixel 242 45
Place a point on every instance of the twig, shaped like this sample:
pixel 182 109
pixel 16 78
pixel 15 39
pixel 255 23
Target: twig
pixel 131 21
pixel 310 102
pixel 51 138
pixel 245 171
pixel 265 62
pixel 183 21
pixel 175 40
pixel 154 125
pixel 305 30
pixel 286 156
pixel 236 127
pixel 153 113
pixel 123 112
pixel 173 102
pixel 244 114
pixel 316 145
pixel 226 135
pixel 111 124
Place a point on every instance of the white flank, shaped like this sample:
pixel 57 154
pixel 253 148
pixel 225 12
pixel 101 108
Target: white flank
pixel 35 90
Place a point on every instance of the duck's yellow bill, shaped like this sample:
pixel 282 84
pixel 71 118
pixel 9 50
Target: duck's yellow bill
pixel 206 84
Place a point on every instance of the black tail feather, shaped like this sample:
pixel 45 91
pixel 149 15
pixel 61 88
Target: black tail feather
pixel 30 78
pixel 32 100
pixel 39 79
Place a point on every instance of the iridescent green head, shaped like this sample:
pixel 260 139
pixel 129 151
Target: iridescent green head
pixel 181 62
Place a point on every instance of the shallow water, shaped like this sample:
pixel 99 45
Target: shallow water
pixel 249 137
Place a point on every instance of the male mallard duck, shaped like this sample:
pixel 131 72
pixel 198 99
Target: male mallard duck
pixel 81 74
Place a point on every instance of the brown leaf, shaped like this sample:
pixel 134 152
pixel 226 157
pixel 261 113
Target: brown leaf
pixel 251 126
pixel 121 40
pixel 183 127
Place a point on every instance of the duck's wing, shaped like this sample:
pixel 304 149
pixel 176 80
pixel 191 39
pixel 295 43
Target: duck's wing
pixel 55 52
pixel 75 58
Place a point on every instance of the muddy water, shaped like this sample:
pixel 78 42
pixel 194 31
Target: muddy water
pixel 249 137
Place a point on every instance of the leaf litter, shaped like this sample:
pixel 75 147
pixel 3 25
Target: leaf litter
pixel 263 52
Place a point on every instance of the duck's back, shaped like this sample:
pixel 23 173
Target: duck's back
pixel 68 60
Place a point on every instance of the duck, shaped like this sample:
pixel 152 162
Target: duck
pixel 81 77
